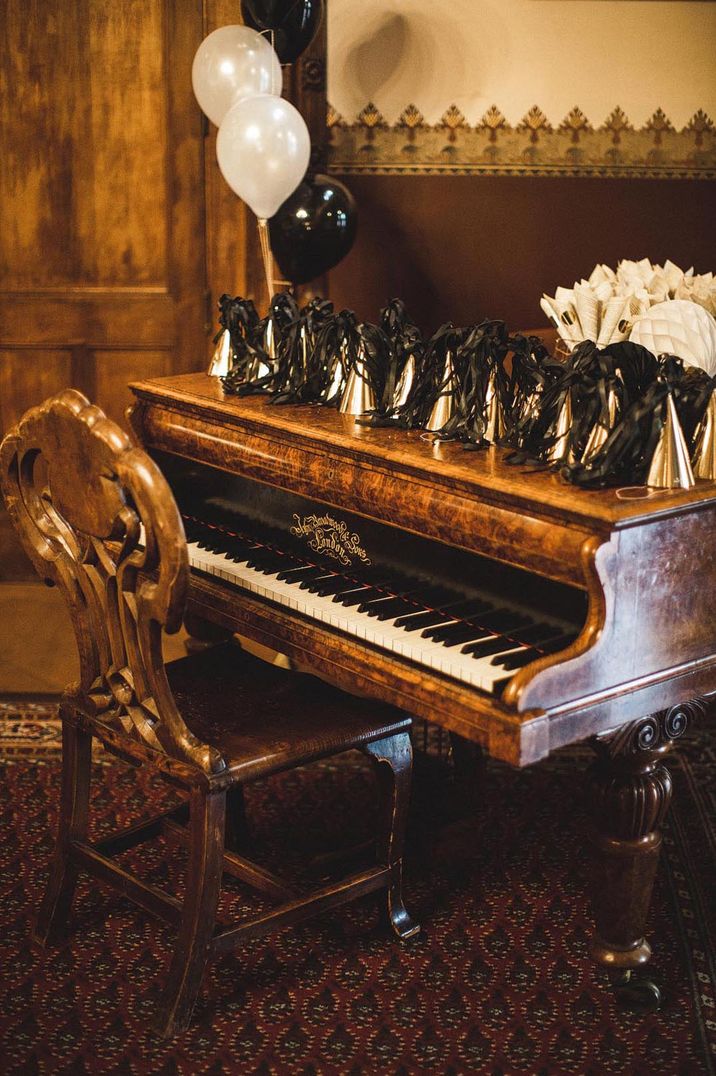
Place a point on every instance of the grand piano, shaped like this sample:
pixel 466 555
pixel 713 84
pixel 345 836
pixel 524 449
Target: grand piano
pixel 514 610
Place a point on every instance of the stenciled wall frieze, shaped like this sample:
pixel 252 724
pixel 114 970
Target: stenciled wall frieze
pixel 534 146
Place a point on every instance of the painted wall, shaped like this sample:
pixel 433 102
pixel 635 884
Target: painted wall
pixel 595 54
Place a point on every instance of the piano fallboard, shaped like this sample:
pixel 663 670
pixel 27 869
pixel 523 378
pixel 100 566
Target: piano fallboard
pixel 646 564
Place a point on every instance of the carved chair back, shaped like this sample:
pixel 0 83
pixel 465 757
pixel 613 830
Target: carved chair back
pixel 98 519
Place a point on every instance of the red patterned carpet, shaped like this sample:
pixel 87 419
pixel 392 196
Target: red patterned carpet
pixel 499 983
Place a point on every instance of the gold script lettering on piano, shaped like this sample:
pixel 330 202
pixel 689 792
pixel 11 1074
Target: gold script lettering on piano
pixel 330 536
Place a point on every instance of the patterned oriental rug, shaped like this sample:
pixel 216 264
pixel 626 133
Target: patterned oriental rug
pixel 498 983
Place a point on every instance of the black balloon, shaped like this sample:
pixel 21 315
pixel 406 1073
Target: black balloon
pixel 313 229
pixel 294 23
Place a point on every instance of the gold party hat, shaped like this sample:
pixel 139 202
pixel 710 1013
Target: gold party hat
pixel 444 406
pixel 258 368
pixel 223 358
pixel 338 376
pixel 670 465
pixel 270 338
pixel 600 430
pixel 494 415
pixel 561 450
pixel 704 460
pixel 358 396
pixel 405 384
pixel 304 347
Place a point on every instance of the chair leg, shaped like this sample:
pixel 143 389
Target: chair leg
pixel 73 821
pixel 393 757
pixel 237 826
pixel 203 886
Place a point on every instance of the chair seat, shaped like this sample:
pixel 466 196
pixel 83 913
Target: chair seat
pixel 263 718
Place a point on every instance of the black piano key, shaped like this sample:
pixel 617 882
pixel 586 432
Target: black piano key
pixel 309 580
pixel 452 634
pixel 524 657
pixel 350 589
pixel 516 659
pixel 468 634
pixel 495 644
pixel 551 646
pixel 506 621
pixel 375 606
pixel 295 575
pixel 393 607
pixel 267 561
pixel 416 621
pixel 378 586
pixel 357 597
pixel 500 620
pixel 499 686
pixel 536 633
pixel 469 609
pixel 332 585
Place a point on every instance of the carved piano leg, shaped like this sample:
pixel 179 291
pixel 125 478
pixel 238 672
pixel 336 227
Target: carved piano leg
pixel 630 796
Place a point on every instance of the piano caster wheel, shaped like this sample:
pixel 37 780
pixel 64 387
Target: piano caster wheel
pixel 636 994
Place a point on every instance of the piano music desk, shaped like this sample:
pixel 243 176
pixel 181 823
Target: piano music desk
pixel 642 568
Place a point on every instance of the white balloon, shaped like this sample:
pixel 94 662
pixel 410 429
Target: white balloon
pixel 232 63
pixel 263 148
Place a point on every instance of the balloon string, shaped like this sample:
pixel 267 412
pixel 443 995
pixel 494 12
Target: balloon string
pixel 266 255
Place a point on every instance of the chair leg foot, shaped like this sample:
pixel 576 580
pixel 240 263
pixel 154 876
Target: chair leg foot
pixel 394 761
pixel 401 923
pixel 203 886
pixel 74 814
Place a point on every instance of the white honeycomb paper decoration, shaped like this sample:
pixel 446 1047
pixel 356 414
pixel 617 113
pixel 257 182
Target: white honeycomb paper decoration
pixel 679 327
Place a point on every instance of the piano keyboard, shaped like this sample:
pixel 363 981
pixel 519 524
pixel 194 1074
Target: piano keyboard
pixel 478 641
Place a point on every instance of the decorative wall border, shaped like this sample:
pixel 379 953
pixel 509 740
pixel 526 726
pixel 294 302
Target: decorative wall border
pixel 532 148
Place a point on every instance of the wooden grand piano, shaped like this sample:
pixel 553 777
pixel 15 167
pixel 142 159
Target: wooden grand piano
pixel 512 609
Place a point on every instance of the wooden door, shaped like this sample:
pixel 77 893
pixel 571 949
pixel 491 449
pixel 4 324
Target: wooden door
pixel 102 244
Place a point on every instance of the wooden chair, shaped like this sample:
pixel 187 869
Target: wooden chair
pixel 98 519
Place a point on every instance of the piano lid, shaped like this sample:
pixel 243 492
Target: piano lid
pixel 530 519
pixel 483 473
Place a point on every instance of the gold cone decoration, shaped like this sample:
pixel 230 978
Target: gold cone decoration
pixel 561 450
pixel 257 368
pixel 405 384
pixel 223 358
pixel 600 430
pixel 338 376
pixel 531 404
pixel 494 415
pixel 704 459
pixel 358 396
pixel 444 406
pixel 670 466
pixel 304 347
pixel 270 338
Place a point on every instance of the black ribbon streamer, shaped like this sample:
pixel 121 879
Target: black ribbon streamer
pixel 531 386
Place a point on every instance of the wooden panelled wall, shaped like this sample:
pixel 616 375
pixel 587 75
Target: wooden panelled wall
pixel 118 233
pixel 102 273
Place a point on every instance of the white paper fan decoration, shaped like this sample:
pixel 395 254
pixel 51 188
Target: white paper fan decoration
pixel 679 327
